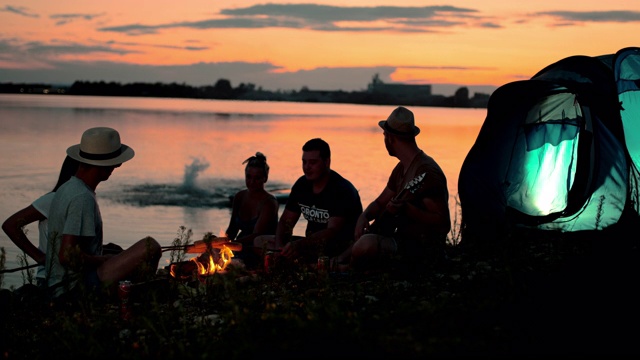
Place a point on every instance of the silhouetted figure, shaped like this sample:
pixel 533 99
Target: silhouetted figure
pixel 411 216
pixel 255 211
pixel 329 202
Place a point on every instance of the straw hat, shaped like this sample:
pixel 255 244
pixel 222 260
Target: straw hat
pixel 400 123
pixel 101 146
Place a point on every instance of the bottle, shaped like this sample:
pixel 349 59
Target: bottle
pixel 323 265
pixel 269 261
pixel 124 292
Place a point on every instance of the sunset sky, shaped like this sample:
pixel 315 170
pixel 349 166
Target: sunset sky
pixel 323 45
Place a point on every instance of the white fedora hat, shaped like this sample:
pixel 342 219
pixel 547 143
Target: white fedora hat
pixel 101 146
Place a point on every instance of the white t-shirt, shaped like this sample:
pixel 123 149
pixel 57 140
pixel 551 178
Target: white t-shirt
pixel 42 204
pixel 74 211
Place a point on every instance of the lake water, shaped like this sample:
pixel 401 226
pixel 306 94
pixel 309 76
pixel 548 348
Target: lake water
pixel 189 155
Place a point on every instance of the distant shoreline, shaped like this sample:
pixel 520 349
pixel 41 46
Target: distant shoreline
pixel 222 90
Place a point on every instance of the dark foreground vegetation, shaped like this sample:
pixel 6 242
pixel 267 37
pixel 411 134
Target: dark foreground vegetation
pixel 526 295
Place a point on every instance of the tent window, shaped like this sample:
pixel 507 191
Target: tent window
pixel 544 160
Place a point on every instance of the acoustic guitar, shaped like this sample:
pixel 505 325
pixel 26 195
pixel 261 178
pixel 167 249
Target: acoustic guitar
pixel 386 224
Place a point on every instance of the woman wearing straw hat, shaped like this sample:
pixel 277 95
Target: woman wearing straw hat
pixel 75 259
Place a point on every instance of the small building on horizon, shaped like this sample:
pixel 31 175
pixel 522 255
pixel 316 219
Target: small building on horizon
pixel 397 90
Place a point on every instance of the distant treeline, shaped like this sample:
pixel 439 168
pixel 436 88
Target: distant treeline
pixel 224 91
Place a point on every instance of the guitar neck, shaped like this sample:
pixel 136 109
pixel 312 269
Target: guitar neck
pixel 400 194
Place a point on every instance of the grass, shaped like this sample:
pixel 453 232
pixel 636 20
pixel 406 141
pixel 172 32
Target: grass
pixel 531 294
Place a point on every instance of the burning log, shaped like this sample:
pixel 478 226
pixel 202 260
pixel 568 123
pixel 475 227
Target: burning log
pixel 213 258
pixel 183 270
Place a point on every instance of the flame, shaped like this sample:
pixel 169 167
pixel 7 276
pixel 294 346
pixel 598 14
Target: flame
pixel 215 259
pixel 217 262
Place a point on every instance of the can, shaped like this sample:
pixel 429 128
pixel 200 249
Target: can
pixel 323 264
pixel 124 293
pixel 269 261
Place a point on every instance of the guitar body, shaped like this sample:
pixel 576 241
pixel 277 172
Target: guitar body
pixel 387 224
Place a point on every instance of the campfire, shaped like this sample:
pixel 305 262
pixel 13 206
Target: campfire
pixel 214 257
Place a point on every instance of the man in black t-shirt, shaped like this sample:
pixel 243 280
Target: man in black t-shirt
pixel 329 202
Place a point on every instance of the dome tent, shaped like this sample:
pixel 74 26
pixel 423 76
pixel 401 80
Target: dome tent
pixel 560 151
